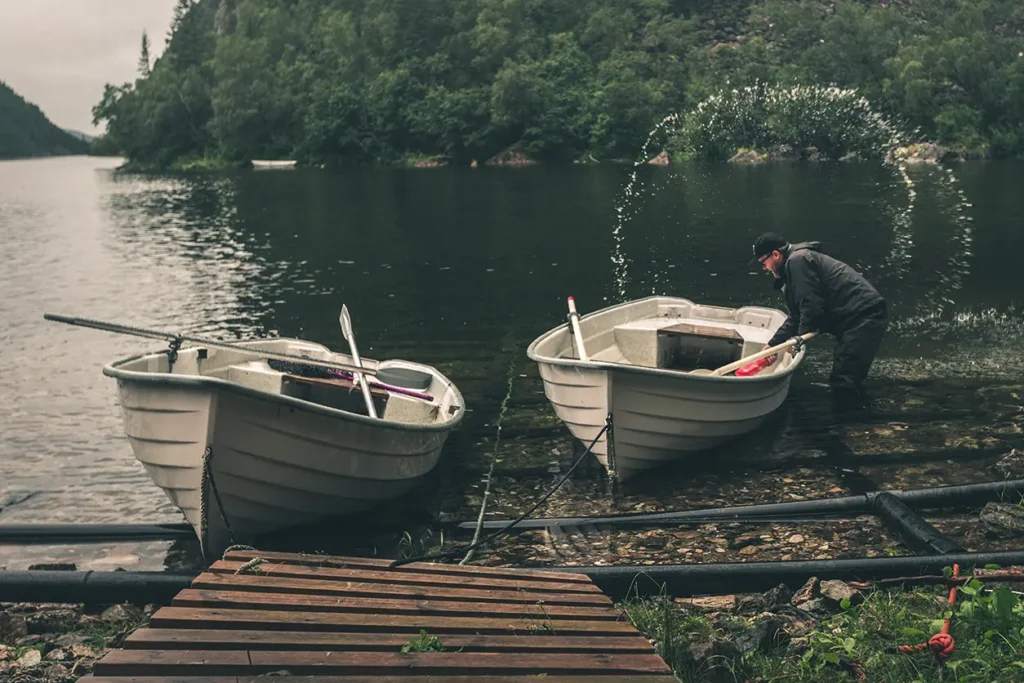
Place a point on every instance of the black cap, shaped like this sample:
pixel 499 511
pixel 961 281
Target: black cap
pixel 766 244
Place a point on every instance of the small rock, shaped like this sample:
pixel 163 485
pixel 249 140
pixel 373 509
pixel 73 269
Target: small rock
pixel 58 655
pixel 12 626
pixel 712 659
pixel 1002 520
pixel 797 627
pixel 748 156
pixel 748 550
pixel 6 652
pixel 1012 464
pixel 714 603
pixel 53 621
pixel 58 673
pixel 816 605
pixel 123 612
pixel 746 540
pixel 82 650
pixel 30 658
pixel 761 637
pixel 837 591
pixel 68 639
pixel 53 567
pixel 29 641
pixel 660 160
pixel 795 538
pixel 799 645
pixel 807 592
pixel 780 595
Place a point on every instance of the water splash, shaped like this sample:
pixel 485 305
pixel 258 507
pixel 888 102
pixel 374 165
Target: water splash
pixel 626 209
pixel 833 120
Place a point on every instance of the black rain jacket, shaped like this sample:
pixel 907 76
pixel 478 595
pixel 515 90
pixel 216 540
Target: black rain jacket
pixel 823 294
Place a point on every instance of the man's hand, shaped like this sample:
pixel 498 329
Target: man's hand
pixel 772 358
pixel 798 343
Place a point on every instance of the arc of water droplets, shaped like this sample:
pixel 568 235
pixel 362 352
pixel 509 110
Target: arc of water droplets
pixel 857 113
pixel 620 263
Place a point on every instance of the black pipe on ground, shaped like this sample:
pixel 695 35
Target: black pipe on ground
pixel 945 496
pixel 47 534
pixel 752 577
pixel 920 536
pixel 100 588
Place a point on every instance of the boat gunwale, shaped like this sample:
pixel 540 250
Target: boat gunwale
pixel 532 354
pixel 113 369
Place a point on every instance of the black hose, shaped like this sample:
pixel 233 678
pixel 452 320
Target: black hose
pixel 100 588
pixel 46 534
pixel 945 496
pixel 919 535
pixel 750 577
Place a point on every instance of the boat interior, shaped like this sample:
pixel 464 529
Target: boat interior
pixel 671 334
pixel 430 401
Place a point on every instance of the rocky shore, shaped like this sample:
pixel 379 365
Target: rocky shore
pixel 57 643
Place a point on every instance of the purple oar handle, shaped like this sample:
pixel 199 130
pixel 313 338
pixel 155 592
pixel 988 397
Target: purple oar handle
pixel 389 387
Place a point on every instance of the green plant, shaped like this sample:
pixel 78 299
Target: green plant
pixel 424 643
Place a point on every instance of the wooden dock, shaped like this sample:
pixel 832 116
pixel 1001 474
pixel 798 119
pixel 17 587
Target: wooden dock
pixel 313 617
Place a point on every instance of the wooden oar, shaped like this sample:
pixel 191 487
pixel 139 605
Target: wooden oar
pixel 574 320
pixel 736 365
pixel 350 337
pixel 212 343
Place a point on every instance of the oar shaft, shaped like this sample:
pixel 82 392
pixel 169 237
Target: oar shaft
pixel 574 320
pixel 212 343
pixel 736 365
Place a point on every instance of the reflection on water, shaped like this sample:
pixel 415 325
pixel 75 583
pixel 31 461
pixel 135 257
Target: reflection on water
pixel 459 268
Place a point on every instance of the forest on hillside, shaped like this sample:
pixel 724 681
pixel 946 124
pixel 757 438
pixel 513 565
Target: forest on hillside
pixel 26 132
pixel 390 81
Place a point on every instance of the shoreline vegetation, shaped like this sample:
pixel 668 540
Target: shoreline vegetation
pixel 492 82
pixel 919 153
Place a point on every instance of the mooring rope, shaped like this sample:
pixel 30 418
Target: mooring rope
pixel 494 458
pixel 487 539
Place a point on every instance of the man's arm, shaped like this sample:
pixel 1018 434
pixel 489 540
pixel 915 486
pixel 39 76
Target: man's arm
pixel 806 284
pixel 786 330
pixel 789 325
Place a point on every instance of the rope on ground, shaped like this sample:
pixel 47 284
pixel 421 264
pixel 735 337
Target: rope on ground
pixel 941 644
pixel 494 458
pixel 451 554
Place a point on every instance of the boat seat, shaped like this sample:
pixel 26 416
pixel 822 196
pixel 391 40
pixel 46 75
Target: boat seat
pixel 255 374
pixel 678 344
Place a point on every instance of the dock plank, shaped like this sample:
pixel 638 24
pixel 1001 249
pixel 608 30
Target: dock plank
pixel 379 605
pixel 214 639
pixel 221 662
pixel 420 578
pixel 431 567
pixel 192 617
pixel 600 678
pixel 313 586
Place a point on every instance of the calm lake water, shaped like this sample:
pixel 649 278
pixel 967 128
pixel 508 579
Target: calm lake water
pixel 460 268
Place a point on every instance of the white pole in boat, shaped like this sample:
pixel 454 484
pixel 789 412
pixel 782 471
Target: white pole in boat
pixel 574 319
pixel 360 379
pixel 764 353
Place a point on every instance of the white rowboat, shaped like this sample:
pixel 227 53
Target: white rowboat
pixel 641 354
pixel 244 449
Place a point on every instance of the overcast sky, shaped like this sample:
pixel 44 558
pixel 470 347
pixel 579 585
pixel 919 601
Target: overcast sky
pixel 58 54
